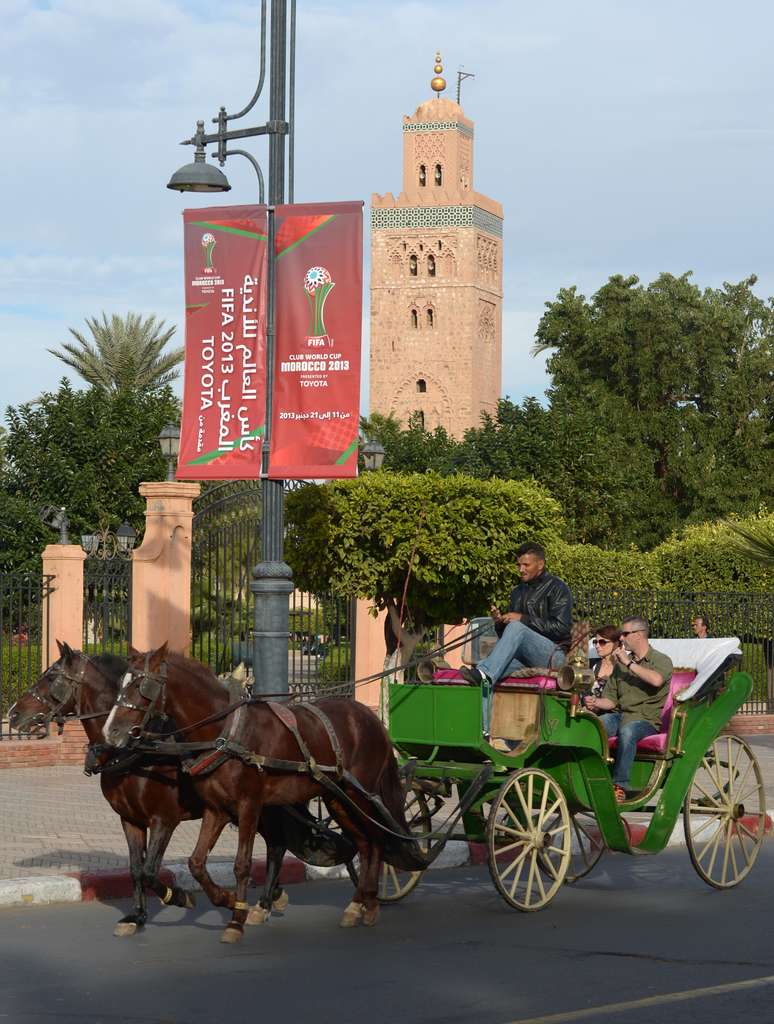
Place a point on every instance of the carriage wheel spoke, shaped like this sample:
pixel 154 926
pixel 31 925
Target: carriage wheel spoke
pixel 711 844
pixel 519 832
pixel 515 863
pixel 530 878
pixel 539 880
pixel 726 849
pixel 709 796
pixel 520 862
pixel 741 827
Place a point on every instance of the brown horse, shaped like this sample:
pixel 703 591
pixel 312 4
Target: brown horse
pixel 151 797
pixel 238 791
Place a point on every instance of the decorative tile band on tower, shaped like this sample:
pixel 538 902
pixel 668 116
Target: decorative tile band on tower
pixel 437 217
pixel 438 126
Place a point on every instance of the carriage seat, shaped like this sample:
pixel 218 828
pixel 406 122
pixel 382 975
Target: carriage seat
pixel 656 744
pixel 533 678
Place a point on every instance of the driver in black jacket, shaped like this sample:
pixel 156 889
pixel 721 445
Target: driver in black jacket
pixel 536 629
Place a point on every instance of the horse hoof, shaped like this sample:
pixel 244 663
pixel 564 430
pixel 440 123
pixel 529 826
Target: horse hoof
pixel 370 917
pixel 124 928
pixel 231 935
pixel 258 915
pixel 352 915
pixel 281 902
pixel 190 900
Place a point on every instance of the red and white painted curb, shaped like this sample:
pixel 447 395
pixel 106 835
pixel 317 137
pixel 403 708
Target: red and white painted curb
pixel 117 884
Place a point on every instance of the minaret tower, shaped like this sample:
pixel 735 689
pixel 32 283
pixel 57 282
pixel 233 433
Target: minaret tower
pixel 436 278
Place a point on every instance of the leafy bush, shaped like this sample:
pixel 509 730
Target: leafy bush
pixel 704 558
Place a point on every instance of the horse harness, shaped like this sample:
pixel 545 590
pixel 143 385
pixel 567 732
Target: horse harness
pixel 63 688
pixel 213 753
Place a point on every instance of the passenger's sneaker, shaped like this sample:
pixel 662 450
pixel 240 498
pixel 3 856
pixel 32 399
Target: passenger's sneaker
pixel 504 746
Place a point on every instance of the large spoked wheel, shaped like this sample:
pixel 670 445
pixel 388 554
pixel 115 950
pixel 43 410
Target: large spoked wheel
pixel 586 848
pixel 724 813
pixel 529 839
pixel 394 883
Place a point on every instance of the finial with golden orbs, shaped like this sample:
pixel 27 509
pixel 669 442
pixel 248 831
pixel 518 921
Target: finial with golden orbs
pixel 438 84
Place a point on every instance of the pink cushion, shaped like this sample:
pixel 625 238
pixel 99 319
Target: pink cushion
pixel 656 744
pixel 452 677
pixel 519 682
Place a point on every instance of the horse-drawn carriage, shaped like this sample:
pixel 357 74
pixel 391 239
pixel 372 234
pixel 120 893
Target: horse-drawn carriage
pixel 548 810
pixel 544 807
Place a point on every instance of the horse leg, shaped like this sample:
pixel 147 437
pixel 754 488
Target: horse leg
pixel 158 840
pixel 370 883
pixel 274 897
pixel 249 812
pixel 353 913
pixel 213 823
pixel 135 840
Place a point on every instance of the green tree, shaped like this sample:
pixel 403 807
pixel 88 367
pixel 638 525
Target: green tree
pixel 123 353
pixel 426 548
pixel 86 450
pixel 682 379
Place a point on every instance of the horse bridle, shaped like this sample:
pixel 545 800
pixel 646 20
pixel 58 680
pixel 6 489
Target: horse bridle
pixel 152 687
pixel 63 688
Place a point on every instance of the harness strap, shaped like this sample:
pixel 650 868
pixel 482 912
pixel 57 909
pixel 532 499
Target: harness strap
pixel 288 719
pixel 334 739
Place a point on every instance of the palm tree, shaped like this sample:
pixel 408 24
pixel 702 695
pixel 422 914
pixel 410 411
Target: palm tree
pixel 755 541
pixel 124 353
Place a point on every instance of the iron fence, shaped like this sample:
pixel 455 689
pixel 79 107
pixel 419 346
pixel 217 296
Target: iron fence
pixel 107 605
pixel 225 549
pixel 749 616
pixel 23 637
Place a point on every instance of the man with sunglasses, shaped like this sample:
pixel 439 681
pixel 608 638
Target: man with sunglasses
pixel 634 697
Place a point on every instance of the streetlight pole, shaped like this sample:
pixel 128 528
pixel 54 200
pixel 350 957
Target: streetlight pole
pixel 272 581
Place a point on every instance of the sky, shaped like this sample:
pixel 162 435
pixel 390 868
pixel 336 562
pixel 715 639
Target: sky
pixel 621 136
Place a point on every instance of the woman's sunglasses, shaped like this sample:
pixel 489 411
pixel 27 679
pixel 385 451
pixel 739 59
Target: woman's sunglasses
pixel 599 640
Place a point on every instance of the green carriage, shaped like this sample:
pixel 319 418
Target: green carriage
pixel 546 810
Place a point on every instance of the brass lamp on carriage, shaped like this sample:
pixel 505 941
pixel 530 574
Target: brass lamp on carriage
pixel 576 676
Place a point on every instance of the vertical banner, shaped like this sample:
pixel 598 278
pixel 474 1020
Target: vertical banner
pixel 319 291
pixel 224 394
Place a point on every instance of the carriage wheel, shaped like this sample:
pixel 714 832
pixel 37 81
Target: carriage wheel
pixel 587 846
pixel 394 883
pixel 529 839
pixel 724 813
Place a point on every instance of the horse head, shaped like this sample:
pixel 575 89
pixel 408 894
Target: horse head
pixel 142 696
pixel 54 697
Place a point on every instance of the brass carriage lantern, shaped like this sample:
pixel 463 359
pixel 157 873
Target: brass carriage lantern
pixel 373 455
pixel 169 440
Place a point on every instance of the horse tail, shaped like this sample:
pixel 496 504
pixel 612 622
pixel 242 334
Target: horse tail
pixel 391 790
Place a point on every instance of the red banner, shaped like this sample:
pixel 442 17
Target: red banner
pixel 319 288
pixel 224 403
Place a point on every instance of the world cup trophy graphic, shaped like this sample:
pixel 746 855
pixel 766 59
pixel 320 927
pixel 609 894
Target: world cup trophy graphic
pixel 208 244
pixel 317 285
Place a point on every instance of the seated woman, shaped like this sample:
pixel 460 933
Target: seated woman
pixel 605 640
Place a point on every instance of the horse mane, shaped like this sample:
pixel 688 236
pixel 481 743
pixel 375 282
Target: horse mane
pixel 191 667
pixel 113 664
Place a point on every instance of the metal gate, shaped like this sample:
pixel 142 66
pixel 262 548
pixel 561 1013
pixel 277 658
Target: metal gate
pixel 107 605
pixel 23 637
pixel 225 549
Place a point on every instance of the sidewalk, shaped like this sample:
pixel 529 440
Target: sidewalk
pixel 54 822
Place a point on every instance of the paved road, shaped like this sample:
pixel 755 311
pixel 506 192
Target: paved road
pixel 638 929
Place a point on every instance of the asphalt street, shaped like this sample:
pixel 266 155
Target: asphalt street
pixel 640 940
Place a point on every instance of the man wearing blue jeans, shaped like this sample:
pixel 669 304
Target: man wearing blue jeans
pixel 633 698
pixel 534 632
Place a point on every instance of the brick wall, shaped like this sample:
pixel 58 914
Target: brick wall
pixel 65 749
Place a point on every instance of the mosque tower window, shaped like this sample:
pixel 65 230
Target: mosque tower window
pixel 422 175
pixel 413 265
pixel 422 386
pixel 414 319
pixel 430 317
pixel 438 174
pixel 431 266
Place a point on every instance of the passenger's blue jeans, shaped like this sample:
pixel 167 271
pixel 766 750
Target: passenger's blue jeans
pixel 629 736
pixel 518 647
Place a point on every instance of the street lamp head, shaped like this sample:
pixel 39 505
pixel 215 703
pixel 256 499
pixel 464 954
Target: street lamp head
pixel 126 537
pixel 199 176
pixel 169 442
pixel 373 455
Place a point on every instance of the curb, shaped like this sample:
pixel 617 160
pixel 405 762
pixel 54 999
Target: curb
pixel 84 886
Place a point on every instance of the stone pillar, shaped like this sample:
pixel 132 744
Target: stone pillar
pixel 451 635
pixel 161 568
pixel 369 653
pixel 63 612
